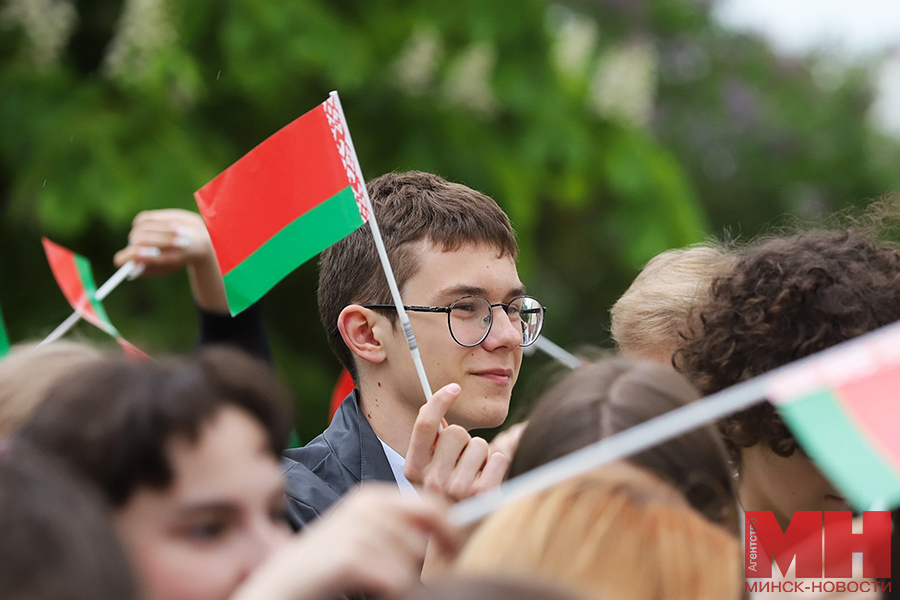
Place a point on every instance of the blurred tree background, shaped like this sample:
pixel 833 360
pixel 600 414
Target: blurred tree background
pixel 609 130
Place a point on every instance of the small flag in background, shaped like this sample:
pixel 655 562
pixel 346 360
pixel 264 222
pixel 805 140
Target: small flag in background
pixel 844 409
pixel 4 340
pixel 285 201
pixel 73 275
pixel 342 389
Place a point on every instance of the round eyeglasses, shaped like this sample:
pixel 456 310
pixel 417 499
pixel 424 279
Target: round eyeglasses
pixel 470 318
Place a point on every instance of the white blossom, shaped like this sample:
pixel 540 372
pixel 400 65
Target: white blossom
pixel 576 41
pixel 468 81
pixel 417 64
pixel 144 29
pixel 47 23
pixel 624 84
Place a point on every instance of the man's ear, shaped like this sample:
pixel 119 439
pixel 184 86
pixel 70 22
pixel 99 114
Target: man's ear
pixel 358 329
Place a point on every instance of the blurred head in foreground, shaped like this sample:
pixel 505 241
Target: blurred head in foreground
pixel 57 542
pixel 787 298
pixel 616 533
pixel 187 452
pixel 647 321
pixel 29 370
pixel 609 396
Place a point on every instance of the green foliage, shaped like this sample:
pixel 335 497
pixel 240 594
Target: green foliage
pixel 139 109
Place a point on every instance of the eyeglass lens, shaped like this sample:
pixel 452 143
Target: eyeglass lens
pixel 471 318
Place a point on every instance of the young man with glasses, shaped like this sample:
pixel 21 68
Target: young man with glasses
pixel 453 251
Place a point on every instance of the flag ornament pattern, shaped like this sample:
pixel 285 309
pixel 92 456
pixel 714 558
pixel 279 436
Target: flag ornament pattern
pixel 74 277
pixel 345 148
pixel 844 407
pixel 4 340
pixel 292 196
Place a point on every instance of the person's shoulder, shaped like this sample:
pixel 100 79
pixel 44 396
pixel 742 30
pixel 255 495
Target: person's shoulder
pixel 315 473
pixel 307 493
pixel 311 454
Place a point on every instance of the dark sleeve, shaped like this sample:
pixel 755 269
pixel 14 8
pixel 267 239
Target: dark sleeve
pixel 247 331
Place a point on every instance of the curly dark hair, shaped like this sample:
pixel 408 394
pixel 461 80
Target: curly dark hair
pixel 787 298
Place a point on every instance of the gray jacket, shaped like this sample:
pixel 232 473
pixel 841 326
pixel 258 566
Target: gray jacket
pixel 347 453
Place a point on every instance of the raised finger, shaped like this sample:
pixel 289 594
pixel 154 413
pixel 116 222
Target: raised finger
pixel 467 469
pixel 451 443
pixel 493 472
pixel 161 215
pixel 151 237
pixel 426 428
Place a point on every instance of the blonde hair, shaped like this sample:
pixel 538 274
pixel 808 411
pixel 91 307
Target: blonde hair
pixel 29 371
pixel 616 533
pixel 656 307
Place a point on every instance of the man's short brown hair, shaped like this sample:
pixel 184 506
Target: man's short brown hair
pixel 410 207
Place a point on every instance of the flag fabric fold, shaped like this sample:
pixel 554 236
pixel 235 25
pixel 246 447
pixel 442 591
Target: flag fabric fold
pixel 342 389
pixel 844 408
pixel 285 201
pixel 4 339
pixel 74 276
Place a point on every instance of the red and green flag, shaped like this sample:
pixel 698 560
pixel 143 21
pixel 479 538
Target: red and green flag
pixel 285 201
pixel 342 389
pixel 4 339
pixel 74 277
pixel 844 409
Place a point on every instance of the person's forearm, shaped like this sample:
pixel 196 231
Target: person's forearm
pixel 207 285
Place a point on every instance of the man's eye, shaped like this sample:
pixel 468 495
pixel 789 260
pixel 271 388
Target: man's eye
pixel 465 308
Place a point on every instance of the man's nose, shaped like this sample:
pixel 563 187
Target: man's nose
pixel 505 332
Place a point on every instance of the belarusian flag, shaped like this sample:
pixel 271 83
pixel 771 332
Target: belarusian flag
pixel 4 340
pixel 73 275
pixel 844 409
pixel 342 389
pixel 285 201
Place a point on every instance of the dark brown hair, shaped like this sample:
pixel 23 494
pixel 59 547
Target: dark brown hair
pixel 57 540
pixel 410 207
pixel 611 395
pixel 112 421
pixel 785 299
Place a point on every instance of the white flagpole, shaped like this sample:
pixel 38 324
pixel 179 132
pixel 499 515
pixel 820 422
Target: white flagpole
pixel 385 262
pixel 558 353
pixel 622 445
pixel 825 368
pixel 129 270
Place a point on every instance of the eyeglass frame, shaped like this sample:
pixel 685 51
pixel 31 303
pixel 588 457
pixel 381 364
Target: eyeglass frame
pixel 449 308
